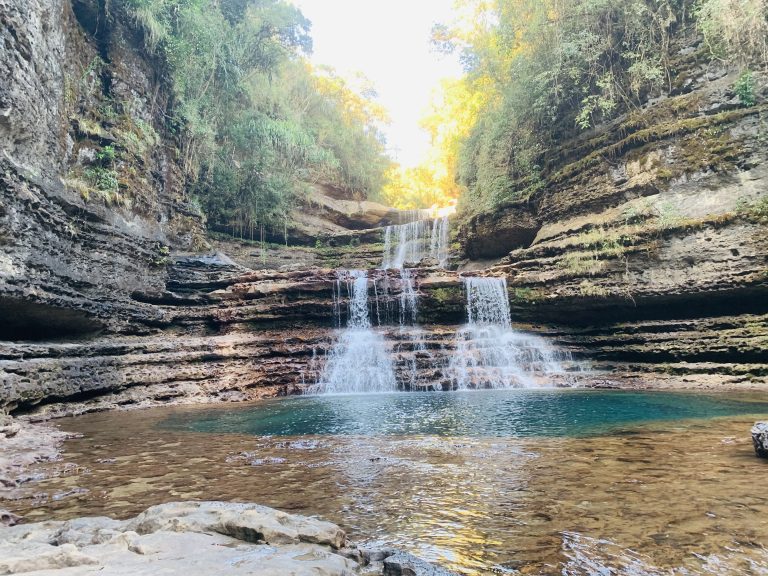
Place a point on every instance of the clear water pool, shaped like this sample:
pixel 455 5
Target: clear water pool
pixel 488 413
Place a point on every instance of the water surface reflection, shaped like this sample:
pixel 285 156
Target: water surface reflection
pixel 673 497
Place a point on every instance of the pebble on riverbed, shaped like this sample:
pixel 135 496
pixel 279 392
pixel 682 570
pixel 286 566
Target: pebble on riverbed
pixel 760 439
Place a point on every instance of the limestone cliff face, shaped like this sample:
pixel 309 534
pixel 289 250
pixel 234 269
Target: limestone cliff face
pixel 92 213
pixel 648 242
pixel 92 200
pixel 645 250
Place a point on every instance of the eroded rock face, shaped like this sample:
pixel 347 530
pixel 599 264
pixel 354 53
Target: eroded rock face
pixel 496 234
pixel 73 253
pixel 652 239
pixel 194 538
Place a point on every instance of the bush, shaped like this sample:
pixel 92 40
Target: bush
pixel 745 88
pixel 735 30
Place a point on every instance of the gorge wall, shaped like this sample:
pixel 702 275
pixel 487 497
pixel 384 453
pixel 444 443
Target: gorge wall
pixel 644 252
pixel 647 241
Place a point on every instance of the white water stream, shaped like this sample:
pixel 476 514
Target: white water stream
pixel 360 360
pixel 409 244
pixel 489 352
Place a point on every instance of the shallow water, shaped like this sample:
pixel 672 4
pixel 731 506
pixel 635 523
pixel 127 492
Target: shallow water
pixel 678 495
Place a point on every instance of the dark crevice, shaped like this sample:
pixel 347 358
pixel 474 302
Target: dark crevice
pixel 93 18
pixel 600 314
pixel 21 408
pixel 31 321
pixel 728 356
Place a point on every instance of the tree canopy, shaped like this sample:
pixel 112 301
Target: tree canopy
pixel 256 122
pixel 539 71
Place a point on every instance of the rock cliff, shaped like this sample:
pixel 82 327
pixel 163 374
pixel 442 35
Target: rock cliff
pixel 644 251
pixel 647 241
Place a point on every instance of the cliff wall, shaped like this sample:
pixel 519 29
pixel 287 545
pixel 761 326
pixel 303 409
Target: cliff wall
pixel 647 242
pixel 644 252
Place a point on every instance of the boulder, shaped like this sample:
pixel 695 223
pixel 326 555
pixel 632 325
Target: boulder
pixel 247 522
pixel 197 539
pixel 760 439
pixel 9 518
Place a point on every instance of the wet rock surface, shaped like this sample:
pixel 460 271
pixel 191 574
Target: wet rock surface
pixel 197 538
pixel 23 448
pixel 652 265
pixel 404 564
pixel 760 439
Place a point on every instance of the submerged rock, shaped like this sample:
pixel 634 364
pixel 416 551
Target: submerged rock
pixel 197 538
pixel 760 439
pixel 404 564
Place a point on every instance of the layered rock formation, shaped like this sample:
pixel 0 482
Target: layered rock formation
pixel 645 251
pixel 647 242
pixel 91 195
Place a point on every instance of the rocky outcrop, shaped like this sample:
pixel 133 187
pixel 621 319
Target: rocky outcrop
pixel 91 197
pixel 494 234
pixel 221 333
pixel 760 438
pixel 198 538
pixel 650 241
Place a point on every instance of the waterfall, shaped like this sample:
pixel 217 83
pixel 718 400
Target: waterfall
pixel 359 361
pixel 412 242
pixel 404 244
pixel 489 352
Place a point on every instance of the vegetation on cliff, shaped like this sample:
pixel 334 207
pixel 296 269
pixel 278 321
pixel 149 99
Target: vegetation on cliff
pixel 255 120
pixel 539 72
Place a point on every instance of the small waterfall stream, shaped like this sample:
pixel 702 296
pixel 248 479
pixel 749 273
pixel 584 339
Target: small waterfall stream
pixel 360 360
pixel 489 352
pixel 486 352
pixel 409 244
pixel 413 242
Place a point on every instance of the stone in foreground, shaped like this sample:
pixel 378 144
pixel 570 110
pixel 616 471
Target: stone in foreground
pixel 760 439
pixel 195 539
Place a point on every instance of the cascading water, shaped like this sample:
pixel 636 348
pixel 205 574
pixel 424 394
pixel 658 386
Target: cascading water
pixel 359 361
pixel 489 353
pixel 412 242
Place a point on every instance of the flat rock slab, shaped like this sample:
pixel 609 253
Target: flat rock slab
pixel 196 539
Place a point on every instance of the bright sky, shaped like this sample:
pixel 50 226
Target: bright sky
pixel 389 42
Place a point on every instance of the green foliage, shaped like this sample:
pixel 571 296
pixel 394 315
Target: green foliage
pixel 253 125
pixel 757 210
pixel 107 155
pixel 161 255
pixel 549 69
pixel 104 179
pixel 553 68
pixel 745 88
pixel 735 30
